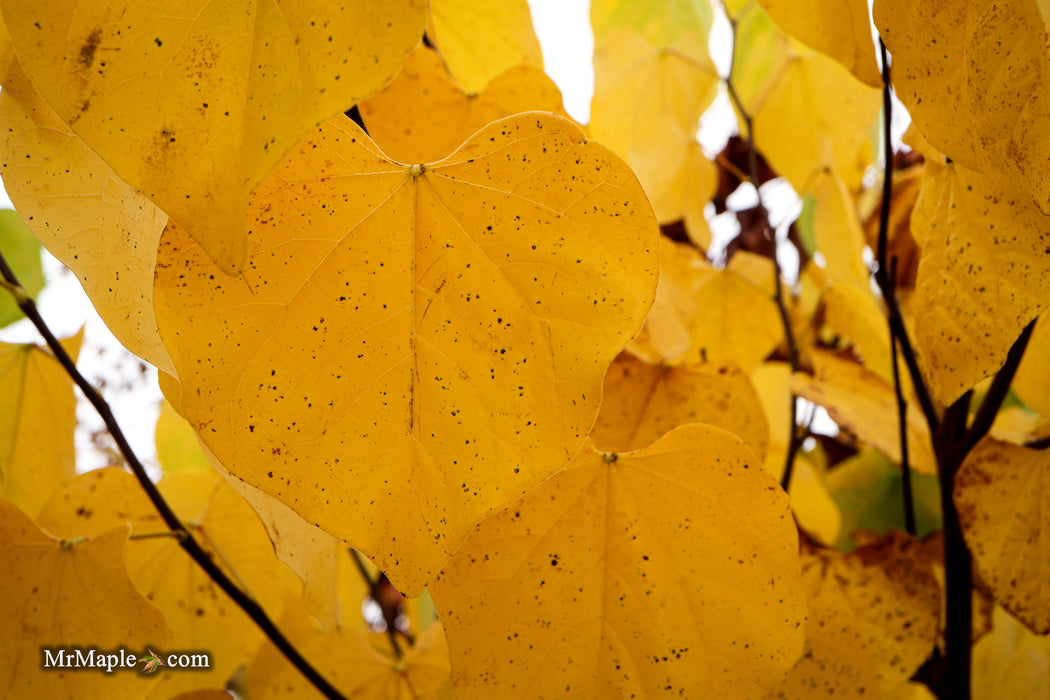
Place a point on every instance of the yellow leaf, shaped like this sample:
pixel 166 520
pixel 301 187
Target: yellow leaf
pixel 895 600
pixel 659 22
pixel 59 595
pixel 696 316
pixel 648 100
pixel 980 92
pixel 837 230
pixel 667 571
pixel 87 217
pixel 1011 662
pixel 911 691
pixel 201 615
pixel 984 275
pixel 480 39
pixel 641 402
pixel 1003 499
pixel 422 116
pixel 37 421
pixel 1032 381
pixel 177 446
pixel 840 29
pixel 226 74
pixel 835 662
pixel 852 311
pixel 866 405
pixel 772 382
pixel 814 508
pixel 784 87
pixel 412 348
pixel 360 664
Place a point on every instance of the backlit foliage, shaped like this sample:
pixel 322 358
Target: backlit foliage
pixel 478 402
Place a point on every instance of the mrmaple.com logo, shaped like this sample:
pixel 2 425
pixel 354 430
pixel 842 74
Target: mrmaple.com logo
pixel 90 658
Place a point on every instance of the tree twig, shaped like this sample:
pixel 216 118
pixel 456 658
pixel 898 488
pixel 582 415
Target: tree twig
pixel 993 399
pixel 902 424
pixel 795 440
pixel 373 591
pixel 181 533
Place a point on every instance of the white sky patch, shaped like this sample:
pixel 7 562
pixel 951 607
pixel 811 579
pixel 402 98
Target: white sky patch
pixel 564 30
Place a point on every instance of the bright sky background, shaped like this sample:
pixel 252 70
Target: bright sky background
pixel 563 27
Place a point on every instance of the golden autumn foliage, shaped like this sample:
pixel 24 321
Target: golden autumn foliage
pixel 465 399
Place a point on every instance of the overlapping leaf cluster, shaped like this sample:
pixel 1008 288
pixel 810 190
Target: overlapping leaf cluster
pixel 503 355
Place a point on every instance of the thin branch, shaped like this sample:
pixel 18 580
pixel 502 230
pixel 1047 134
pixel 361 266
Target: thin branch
pixel 902 424
pixel 185 538
pixel 989 407
pixel 795 440
pixel 373 591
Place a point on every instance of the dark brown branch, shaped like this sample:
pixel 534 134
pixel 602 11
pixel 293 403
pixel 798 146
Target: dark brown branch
pixel 989 407
pixel 795 440
pixel 902 425
pixel 181 533
pixel 373 591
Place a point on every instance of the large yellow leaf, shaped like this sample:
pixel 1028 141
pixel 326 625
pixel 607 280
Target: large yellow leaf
pixel 785 90
pixel 670 571
pixel 866 405
pixel 422 116
pixel 360 664
pixel 61 595
pixel 1011 662
pixel 641 402
pixel 1003 497
pixel 895 600
pixel 201 615
pixel 983 276
pixel 412 347
pixel 480 39
pixel 979 93
pixel 240 81
pixel 104 230
pixel 697 314
pixel 37 421
pixel 839 28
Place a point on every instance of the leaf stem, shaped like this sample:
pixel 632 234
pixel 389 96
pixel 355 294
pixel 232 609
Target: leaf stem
pixel 795 441
pixel 179 531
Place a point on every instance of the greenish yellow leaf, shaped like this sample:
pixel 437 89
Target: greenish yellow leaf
pixel 666 571
pixel 360 664
pixel 103 229
pixel 21 249
pixel 226 75
pixel 480 39
pixel 840 29
pixel 984 275
pixel 177 447
pixel 979 93
pixel 890 588
pixel 659 22
pixel 641 402
pixel 200 614
pixel 867 488
pixel 37 421
pixel 648 100
pixel 1011 662
pixel 696 316
pixel 1003 497
pixel 422 116
pixel 59 595
pixel 412 348
pixel 865 405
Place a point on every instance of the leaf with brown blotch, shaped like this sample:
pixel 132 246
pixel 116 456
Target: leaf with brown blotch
pixel 666 571
pixel 1002 493
pixel 411 348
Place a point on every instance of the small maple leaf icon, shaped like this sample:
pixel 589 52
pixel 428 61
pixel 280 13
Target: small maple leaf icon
pixel 151 661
